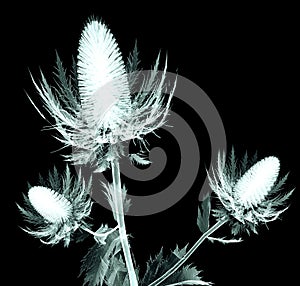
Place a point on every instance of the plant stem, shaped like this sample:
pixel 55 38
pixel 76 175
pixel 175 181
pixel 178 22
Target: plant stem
pixel 118 198
pixel 98 234
pixel 189 253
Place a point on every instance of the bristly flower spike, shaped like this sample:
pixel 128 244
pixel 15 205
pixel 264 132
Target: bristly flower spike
pixel 249 196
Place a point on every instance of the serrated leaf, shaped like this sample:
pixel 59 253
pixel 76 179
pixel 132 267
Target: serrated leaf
pixel 112 198
pixel 189 275
pixel 244 163
pixel 133 60
pixel 99 259
pixel 232 165
pixel 139 159
pixel 117 272
pixel 179 253
pixel 203 215
pixel 158 265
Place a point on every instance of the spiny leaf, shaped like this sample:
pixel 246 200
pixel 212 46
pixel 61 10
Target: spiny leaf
pixel 203 215
pixel 66 87
pixel 117 272
pixel 253 160
pixel 244 163
pixel 133 60
pixel 158 265
pixel 139 159
pixel 232 165
pixel 112 198
pixel 97 262
pixel 189 275
pixel 279 184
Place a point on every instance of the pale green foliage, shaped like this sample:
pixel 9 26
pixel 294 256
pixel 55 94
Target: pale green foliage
pixel 132 67
pixel 113 198
pixel 158 265
pixel 103 264
pixel 139 159
pixel 204 214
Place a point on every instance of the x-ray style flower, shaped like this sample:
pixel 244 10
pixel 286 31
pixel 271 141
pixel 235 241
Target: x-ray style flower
pixel 93 109
pixel 97 107
pixel 248 197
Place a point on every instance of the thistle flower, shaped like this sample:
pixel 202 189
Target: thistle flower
pixel 94 109
pixel 57 209
pixel 249 195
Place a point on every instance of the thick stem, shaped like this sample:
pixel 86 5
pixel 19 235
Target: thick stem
pixel 188 254
pixel 118 197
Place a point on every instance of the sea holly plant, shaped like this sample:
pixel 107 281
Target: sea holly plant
pixel 95 111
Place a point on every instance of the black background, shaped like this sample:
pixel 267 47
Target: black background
pixel 242 57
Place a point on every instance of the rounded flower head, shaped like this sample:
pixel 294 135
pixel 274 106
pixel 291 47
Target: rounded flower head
pixel 99 105
pixel 249 194
pixel 57 209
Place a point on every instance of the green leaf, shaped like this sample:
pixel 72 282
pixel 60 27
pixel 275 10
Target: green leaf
pixel 139 159
pixel 232 165
pixel 98 263
pixel 157 266
pixel 203 215
pixel 244 164
pixel 189 275
pixel 117 272
pixel 133 60
pixel 112 199
pixel 253 160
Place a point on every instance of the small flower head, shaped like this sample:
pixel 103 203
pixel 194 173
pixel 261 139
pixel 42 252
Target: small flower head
pixel 53 206
pixel 97 107
pixel 57 209
pixel 249 193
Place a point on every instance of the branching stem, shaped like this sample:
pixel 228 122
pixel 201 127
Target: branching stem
pixel 189 253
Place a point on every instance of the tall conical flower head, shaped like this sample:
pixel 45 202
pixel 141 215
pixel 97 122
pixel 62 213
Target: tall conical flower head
pixel 96 106
pixel 58 208
pixel 103 85
pixel 248 191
